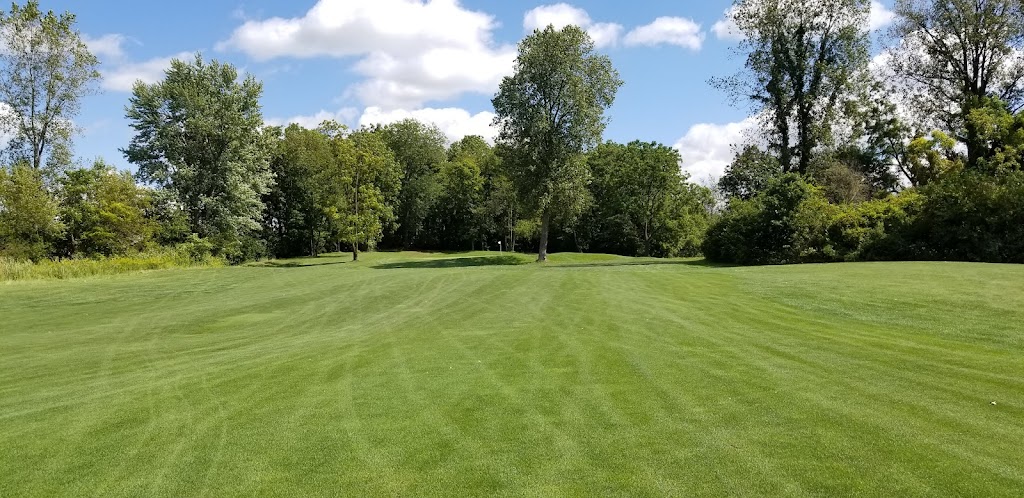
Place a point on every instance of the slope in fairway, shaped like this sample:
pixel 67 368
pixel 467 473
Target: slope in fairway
pixel 412 374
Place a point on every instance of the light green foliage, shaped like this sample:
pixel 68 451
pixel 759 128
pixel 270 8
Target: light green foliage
pixel 182 256
pixel 104 212
pixel 929 158
pixel 803 59
pixel 419 149
pixel 411 374
pixel 549 112
pixel 45 70
pixel 28 214
pixel 840 180
pixel 198 133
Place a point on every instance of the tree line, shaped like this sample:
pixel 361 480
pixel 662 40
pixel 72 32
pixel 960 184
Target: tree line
pixel 212 177
pixel 913 154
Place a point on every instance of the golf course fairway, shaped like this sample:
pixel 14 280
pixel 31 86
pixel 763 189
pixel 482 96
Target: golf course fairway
pixel 480 374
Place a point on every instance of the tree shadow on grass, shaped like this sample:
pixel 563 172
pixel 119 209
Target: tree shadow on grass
pixel 294 264
pixel 454 263
pixel 702 263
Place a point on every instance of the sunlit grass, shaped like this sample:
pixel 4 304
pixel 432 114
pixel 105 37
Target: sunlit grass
pixel 486 374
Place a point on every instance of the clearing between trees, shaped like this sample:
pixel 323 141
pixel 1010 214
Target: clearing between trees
pixel 469 374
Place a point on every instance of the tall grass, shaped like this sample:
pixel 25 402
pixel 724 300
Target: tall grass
pixel 11 269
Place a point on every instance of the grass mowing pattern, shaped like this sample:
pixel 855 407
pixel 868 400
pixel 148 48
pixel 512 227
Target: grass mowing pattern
pixel 411 374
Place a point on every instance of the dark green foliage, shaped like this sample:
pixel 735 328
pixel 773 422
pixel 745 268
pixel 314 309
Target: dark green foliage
pixel 419 149
pixel 966 216
pixel 292 223
pixel 643 205
pixel 767 229
pixel 749 173
pixel 973 217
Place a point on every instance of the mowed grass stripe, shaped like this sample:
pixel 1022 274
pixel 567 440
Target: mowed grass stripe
pixel 411 374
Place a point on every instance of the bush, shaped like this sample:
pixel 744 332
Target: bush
pixel 767 229
pixel 965 216
pixel 180 257
pixel 973 217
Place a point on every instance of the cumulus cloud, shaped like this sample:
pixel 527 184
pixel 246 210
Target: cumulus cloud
pixel 456 123
pixel 410 51
pixel 346 116
pixel 561 15
pixel 123 77
pixel 725 28
pixel 106 47
pixel 880 16
pixel 668 31
pixel 707 149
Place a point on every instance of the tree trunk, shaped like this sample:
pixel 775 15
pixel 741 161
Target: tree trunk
pixel 355 251
pixel 545 224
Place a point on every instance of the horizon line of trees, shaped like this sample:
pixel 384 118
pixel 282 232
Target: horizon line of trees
pixel 211 177
pixel 914 157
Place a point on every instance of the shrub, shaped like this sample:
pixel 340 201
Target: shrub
pixel 11 269
pixel 973 217
pixel 768 229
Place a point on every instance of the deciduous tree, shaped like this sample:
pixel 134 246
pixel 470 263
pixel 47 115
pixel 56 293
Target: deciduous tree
pixel 45 70
pixel 803 58
pixel 199 133
pixel 549 112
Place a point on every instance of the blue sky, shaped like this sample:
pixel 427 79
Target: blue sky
pixel 365 61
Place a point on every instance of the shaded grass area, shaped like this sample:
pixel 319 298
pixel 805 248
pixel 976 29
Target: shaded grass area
pixel 509 379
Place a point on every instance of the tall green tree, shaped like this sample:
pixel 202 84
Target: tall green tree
pixel 803 59
pixel 104 212
pixel 28 214
pixel 45 70
pixel 199 133
pixel 549 113
pixel 370 180
pixel 420 149
pixel 954 55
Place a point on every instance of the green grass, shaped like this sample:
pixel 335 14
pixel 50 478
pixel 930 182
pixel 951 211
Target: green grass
pixel 479 374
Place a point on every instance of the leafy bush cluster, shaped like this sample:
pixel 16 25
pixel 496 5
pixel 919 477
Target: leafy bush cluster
pixel 966 216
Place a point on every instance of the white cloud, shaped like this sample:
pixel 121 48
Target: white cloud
pixel 561 15
pixel 107 47
pixel 346 116
pixel 880 16
pixel 707 149
pixel 122 78
pixel 410 51
pixel 454 122
pixel 725 28
pixel 668 31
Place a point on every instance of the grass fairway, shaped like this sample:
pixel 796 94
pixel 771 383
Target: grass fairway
pixel 417 375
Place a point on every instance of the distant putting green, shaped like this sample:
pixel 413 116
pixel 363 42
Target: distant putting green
pixel 417 375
